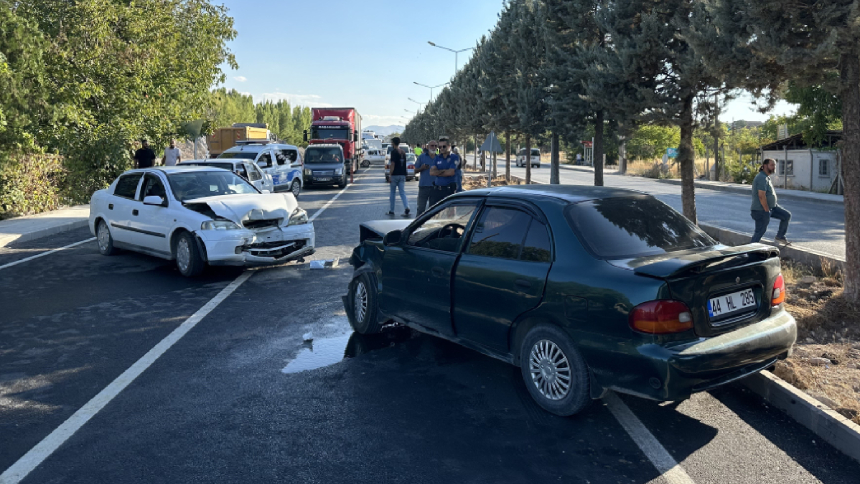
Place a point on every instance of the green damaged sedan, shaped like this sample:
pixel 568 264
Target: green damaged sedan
pixel 586 289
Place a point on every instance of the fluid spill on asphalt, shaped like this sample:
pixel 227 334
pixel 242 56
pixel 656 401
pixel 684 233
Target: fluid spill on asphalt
pixel 330 350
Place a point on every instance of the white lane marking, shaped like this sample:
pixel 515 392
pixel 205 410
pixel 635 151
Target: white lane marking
pixel 328 203
pixel 670 470
pixel 20 469
pixel 43 254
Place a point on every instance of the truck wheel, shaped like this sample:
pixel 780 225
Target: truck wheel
pixel 188 259
pixel 554 372
pixel 364 314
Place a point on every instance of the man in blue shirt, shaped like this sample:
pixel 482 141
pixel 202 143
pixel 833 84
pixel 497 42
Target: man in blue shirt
pixel 445 171
pixel 425 179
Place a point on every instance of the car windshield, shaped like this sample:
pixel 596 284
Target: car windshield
pixel 225 166
pixel 628 227
pixel 324 155
pixel 191 185
pixel 245 155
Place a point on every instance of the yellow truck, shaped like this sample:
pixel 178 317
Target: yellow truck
pixel 223 139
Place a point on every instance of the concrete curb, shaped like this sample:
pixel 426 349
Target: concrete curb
pixel 25 234
pixel 805 256
pixel 745 189
pixel 824 422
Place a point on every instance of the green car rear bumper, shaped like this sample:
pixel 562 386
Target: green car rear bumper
pixel 675 371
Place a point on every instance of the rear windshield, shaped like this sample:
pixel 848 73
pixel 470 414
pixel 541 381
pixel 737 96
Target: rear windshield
pixel 324 155
pixel 244 155
pixel 624 228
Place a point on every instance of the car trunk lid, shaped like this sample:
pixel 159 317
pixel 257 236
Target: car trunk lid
pixel 725 287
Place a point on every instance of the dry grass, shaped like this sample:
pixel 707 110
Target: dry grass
pixel 651 168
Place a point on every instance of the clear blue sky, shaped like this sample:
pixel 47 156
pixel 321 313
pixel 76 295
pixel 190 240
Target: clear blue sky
pixel 364 54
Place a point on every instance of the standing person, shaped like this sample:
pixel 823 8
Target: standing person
pixel 397 179
pixel 172 155
pixel 144 157
pixel 578 158
pixel 418 150
pixel 764 205
pixel 445 171
pixel 459 173
pixel 425 179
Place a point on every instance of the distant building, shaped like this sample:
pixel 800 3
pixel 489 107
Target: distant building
pixel 803 167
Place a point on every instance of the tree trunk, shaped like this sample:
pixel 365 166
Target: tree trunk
pixel 597 153
pixel 553 157
pixel 716 138
pixel 686 157
pixel 528 159
pixel 508 156
pixel 849 73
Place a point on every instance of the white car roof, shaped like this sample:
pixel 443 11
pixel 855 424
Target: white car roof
pixel 167 170
pixel 324 145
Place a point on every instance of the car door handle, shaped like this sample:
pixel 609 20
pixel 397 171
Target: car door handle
pixel 134 212
pixel 110 206
pixel 523 283
pixel 438 272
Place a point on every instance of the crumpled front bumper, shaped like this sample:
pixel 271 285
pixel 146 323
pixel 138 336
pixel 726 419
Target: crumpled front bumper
pixel 263 247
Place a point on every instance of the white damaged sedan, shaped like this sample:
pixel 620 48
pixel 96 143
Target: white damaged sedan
pixel 198 216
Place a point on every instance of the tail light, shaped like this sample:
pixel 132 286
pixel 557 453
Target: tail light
pixel 411 167
pixel 778 291
pixel 661 317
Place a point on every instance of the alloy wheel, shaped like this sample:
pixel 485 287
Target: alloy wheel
pixel 360 301
pixel 296 189
pixel 550 370
pixel 103 236
pixel 183 254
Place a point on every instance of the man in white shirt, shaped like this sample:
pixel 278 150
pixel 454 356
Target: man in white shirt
pixel 171 154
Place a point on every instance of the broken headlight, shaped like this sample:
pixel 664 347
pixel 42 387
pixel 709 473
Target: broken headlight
pixel 298 217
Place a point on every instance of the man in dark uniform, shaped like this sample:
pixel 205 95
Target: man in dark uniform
pixel 445 170
pixel 144 157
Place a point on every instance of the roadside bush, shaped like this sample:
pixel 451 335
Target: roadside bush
pixel 29 183
pixel 741 172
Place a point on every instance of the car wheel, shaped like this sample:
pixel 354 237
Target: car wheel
pixel 365 164
pixel 188 259
pixel 344 183
pixel 105 239
pixel 296 188
pixel 364 313
pixel 554 371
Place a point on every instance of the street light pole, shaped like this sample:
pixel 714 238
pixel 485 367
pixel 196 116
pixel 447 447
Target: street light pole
pixel 418 109
pixel 430 87
pixel 456 52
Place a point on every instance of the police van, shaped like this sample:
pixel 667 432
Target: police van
pixel 283 162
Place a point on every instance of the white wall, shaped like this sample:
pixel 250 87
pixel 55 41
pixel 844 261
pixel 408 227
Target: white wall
pixel 805 163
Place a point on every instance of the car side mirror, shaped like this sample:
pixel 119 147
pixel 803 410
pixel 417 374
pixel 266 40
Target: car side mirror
pixel 392 238
pixel 153 200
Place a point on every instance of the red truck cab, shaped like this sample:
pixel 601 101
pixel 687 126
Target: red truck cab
pixel 337 125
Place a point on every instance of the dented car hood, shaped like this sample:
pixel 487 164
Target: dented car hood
pixel 239 208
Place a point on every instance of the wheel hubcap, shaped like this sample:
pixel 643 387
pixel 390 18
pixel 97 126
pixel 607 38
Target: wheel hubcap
pixel 104 236
pixel 296 189
pixel 183 254
pixel 360 301
pixel 550 370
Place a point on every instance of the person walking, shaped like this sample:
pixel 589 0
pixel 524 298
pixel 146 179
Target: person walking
pixel 764 206
pixel 425 179
pixel 459 173
pixel 144 157
pixel 397 179
pixel 172 156
pixel 445 170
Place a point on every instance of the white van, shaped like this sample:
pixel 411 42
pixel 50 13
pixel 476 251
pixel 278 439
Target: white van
pixel 283 162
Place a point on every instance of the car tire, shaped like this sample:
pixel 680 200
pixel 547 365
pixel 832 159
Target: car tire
pixel 344 183
pixel 105 239
pixel 296 189
pixel 548 357
pixel 187 254
pixel 364 314
pixel 365 163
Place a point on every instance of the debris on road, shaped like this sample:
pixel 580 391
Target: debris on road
pixel 325 264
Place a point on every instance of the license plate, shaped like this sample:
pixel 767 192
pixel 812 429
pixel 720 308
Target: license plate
pixel 731 303
pixel 323 178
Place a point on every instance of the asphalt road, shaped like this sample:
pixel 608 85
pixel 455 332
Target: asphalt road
pixel 817 226
pixel 242 398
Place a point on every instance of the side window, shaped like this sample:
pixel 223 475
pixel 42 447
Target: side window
pixel 265 160
pixel 281 158
pixel 445 229
pixel 500 233
pixel 152 186
pixel 126 187
pixel 242 171
pixel 823 167
pixel 254 173
pixel 537 247
pixel 289 155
